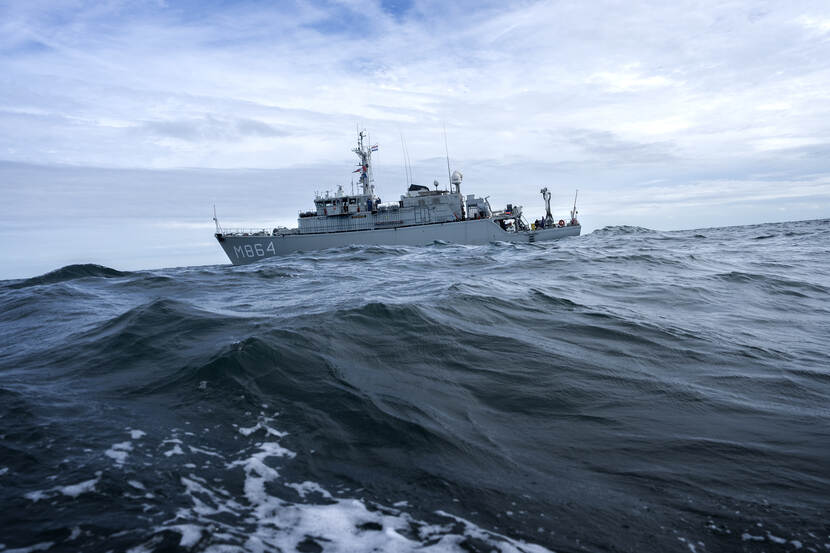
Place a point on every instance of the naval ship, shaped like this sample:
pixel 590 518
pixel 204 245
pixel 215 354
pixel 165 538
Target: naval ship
pixel 421 217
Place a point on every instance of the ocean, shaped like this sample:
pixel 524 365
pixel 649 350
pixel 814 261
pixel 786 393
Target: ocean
pixel 627 390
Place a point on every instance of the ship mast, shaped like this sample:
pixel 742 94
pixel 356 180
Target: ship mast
pixel 364 153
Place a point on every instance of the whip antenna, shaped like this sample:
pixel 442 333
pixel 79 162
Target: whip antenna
pixel 407 162
pixel 447 151
pixel 573 211
pixel 407 177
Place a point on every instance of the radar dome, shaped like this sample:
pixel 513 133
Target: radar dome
pixel 456 177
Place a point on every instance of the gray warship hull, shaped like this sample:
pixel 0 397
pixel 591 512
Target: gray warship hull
pixel 243 249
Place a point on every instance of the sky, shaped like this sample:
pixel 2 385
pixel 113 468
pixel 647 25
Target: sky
pixel 123 123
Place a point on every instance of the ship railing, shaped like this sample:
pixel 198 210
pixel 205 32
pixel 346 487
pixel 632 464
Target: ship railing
pixel 246 231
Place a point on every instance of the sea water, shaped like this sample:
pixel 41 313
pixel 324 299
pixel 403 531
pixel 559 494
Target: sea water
pixel 627 390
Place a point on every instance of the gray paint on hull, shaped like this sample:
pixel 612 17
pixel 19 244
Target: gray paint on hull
pixel 247 249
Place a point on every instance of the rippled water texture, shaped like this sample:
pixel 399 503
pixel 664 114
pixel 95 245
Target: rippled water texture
pixel 628 390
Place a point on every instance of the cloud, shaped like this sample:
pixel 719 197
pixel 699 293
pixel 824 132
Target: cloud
pixel 210 128
pixel 685 73
pixel 608 148
pixel 819 24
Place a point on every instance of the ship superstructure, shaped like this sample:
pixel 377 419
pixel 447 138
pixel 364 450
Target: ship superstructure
pixel 420 217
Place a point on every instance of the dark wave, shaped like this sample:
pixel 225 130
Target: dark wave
pixel 780 284
pixel 623 230
pixel 71 272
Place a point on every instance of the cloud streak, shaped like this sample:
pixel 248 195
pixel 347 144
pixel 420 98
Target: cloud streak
pixel 210 128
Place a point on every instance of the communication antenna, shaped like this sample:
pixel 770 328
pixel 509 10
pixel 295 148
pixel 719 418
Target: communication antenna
pixel 573 211
pixel 407 162
pixel 447 151
pixel 403 157
pixel 405 169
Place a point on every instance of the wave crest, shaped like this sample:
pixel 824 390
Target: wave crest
pixel 622 230
pixel 71 272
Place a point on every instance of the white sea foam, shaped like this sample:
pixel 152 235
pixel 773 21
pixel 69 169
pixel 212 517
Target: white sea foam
pixel 191 534
pixel 211 502
pixel 137 434
pixel 136 484
pixel 36 495
pixel 4 470
pixel 269 523
pixel 264 522
pixel 776 539
pixel 691 546
pixel 262 425
pixel 176 450
pixel 119 452
pixel 307 487
pixel 204 451
pixel 75 490
pixel 72 490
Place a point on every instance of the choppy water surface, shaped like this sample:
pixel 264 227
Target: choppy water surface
pixel 628 390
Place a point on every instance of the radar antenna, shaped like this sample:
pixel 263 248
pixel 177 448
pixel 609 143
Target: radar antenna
pixel 455 180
